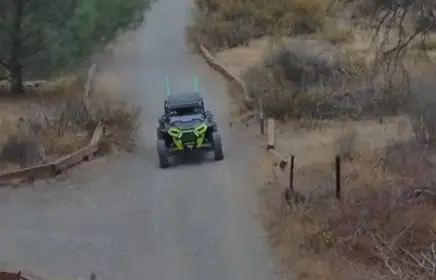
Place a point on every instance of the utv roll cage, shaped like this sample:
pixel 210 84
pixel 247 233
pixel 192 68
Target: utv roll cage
pixel 191 103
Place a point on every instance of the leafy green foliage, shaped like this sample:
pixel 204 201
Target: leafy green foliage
pixel 44 37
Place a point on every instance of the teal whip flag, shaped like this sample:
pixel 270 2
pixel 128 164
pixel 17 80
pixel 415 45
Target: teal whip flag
pixel 195 80
pixel 167 86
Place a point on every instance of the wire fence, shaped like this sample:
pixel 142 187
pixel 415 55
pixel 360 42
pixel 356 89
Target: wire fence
pixel 292 181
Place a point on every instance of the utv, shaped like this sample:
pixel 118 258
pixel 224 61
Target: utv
pixel 185 127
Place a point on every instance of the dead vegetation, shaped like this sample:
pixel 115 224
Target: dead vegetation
pixel 384 226
pixel 230 23
pixel 345 59
pixel 382 229
pixel 54 122
pixel 327 60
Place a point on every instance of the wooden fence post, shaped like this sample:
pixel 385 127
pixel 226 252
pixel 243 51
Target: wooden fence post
pixel 291 174
pixel 271 134
pixel 338 177
pixel 93 276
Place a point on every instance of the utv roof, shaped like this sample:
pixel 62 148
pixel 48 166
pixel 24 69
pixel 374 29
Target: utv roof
pixel 184 99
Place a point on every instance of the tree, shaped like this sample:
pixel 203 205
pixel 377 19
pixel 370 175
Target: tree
pixel 399 24
pixel 46 37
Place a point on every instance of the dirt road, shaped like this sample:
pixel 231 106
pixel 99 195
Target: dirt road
pixel 125 218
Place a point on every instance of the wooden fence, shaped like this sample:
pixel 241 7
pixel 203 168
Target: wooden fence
pixel 287 167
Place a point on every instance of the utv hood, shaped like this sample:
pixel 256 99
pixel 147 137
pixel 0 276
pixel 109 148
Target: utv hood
pixel 186 122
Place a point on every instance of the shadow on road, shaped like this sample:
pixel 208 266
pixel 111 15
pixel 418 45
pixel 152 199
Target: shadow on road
pixel 190 159
pixel 195 158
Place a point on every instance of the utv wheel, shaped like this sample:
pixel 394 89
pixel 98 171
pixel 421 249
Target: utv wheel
pixel 217 146
pixel 163 154
pixel 214 128
pixel 159 133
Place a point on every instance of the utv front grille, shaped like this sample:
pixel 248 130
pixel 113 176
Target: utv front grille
pixel 188 137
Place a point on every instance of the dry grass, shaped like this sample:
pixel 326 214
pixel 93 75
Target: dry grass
pixel 313 80
pixel 384 226
pixel 304 78
pixel 300 80
pixel 230 23
pixel 346 143
pixel 336 35
pixel 308 79
pixel 428 45
pixel 382 229
pixel 56 120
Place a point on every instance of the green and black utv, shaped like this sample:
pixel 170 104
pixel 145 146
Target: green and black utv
pixel 186 127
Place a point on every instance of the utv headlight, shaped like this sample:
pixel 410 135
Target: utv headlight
pixel 174 132
pixel 200 129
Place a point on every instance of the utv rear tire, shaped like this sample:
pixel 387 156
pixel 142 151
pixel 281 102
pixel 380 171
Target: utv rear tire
pixel 217 146
pixel 163 154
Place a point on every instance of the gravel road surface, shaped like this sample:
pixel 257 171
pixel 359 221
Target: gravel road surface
pixel 123 217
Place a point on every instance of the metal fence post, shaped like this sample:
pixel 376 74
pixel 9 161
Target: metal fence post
pixel 291 174
pixel 271 133
pixel 338 177
pixel 261 117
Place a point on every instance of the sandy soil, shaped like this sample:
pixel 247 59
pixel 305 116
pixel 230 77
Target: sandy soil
pixel 321 145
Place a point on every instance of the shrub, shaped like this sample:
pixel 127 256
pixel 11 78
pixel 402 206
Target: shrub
pixel 229 23
pixel 122 121
pixel 296 84
pixel 18 147
pixel 312 80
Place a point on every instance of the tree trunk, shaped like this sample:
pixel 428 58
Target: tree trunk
pixel 16 69
pixel 16 79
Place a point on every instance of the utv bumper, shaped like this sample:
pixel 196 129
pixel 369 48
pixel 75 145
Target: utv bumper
pixel 189 141
pixel 191 148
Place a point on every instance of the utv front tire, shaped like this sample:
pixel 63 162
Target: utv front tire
pixel 217 146
pixel 159 133
pixel 163 154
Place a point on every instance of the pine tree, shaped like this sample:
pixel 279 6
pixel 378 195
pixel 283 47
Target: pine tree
pixel 41 38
